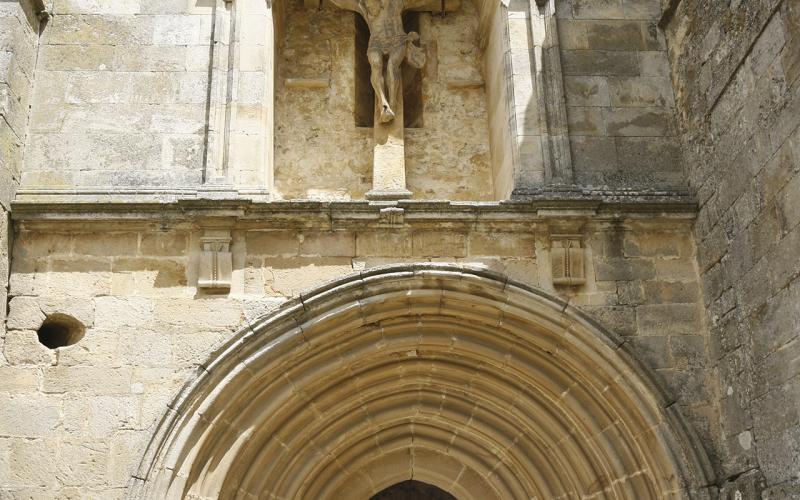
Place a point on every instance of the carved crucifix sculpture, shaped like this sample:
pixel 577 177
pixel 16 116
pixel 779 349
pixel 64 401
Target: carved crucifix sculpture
pixel 389 45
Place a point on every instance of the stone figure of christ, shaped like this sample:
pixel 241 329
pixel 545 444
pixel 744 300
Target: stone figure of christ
pixel 388 46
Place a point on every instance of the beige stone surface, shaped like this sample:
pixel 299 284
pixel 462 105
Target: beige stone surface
pixel 137 130
pixel 616 73
pixel 149 326
pixel 321 154
pixel 399 401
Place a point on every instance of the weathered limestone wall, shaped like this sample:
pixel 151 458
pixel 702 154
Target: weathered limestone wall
pixel 620 102
pixel 120 105
pixel 449 157
pixel 319 151
pixel 74 422
pixel 735 66
pixel 19 38
pixel 120 96
pixel 123 101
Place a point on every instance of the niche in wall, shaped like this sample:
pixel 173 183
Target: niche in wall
pixel 325 105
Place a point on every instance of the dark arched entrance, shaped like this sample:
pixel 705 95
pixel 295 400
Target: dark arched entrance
pixel 413 490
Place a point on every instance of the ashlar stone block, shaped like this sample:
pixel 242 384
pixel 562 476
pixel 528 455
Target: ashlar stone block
pixel 587 91
pixel 641 92
pixel 668 319
pixel 640 122
pixel 31 415
pixel 501 244
pixel 436 244
pixel 22 347
pixel 34 463
pixel 615 35
pixel 391 244
pixel 24 313
pixel 600 63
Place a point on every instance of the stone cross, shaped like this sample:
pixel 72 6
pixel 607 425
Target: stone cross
pixel 389 46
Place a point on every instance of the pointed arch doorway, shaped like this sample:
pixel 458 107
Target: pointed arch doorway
pixel 458 378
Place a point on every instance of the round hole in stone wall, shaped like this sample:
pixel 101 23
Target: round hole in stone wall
pixel 60 330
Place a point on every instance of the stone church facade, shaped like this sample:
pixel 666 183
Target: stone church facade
pixel 564 266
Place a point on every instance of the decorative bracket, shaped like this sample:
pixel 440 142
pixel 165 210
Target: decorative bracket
pixel 392 216
pixel 216 261
pixel 567 259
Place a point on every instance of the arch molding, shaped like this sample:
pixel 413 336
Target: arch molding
pixel 456 377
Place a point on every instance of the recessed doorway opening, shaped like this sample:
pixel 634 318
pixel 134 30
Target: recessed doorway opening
pixel 413 490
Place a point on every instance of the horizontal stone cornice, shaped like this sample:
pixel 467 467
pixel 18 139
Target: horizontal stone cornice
pixel 246 213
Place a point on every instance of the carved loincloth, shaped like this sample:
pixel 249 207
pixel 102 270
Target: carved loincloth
pixel 387 43
pixel 414 55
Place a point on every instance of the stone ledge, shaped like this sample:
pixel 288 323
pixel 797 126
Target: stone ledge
pixel 542 207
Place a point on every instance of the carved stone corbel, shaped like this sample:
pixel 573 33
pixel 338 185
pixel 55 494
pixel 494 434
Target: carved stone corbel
pixel 392 216
pixel 216 261
pixel 567 259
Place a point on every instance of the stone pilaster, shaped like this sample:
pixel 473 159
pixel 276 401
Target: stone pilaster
pixel 239 143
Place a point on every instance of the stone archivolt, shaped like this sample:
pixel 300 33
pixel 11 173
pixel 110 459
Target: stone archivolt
pixel 459 378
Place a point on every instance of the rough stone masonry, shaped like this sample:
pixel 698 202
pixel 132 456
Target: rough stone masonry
pixel 591 293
